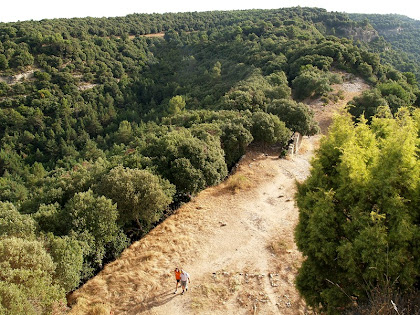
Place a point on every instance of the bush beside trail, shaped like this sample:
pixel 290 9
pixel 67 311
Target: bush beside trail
pixel 359 215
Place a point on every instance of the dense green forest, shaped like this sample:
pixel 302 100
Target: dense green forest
pixel 104 131
pixel 398 42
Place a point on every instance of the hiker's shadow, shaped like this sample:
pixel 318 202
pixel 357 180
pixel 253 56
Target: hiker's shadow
pixel 157 300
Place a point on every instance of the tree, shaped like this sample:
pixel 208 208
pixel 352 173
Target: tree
pixel 310 82
pixel 235 139
pixel 205 166
pixel 67 254
pixel 366 71
pixel 176 105
pixel 3 62
pixel 280 85
pixel 358 212
pixel 12 190
pixel 268 129
pixel 140 195
pixel 48 219
pixel 405 95
pixel 12 223
pixel 367 104
pixel 93 220
pixel 13 300
pixel 238 100
pixel 26 277
pixel 124 133
pixel 216 71
pixel 297 116
pixel 22 58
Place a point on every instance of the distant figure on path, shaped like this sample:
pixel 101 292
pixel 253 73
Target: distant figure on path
pixel 177 277
pixel 184 278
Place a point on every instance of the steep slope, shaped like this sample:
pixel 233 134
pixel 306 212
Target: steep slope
pixel 238 247
pixel 399 40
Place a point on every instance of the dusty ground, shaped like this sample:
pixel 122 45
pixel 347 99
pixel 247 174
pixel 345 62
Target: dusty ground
pixel 11 80
pixel 351 87
pixel 237 245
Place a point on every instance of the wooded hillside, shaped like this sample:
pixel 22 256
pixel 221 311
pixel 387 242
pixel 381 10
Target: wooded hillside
pixel 105 131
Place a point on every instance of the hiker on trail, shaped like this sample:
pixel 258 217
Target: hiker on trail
pixel 184 278
pixel 177 277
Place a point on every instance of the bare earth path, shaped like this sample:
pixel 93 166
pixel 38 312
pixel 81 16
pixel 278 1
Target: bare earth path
pixel 237 247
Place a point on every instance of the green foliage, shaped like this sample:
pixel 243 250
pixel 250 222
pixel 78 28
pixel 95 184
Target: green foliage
pixel 366 71
pixel 48 218
pixel 124 134
pixel 176 104
pixel 398 43
pixel 14 301
pixel 188 162
pixel 317 61
pixel 393 90
pixel 233 128
pixel 238 100
pixel 235 139
pixel 4 64
pixel 297 116
pixel 12 223
pixel 388 94
pixel 12 190
pixel 280 85
pixel 267 128
pixel 254 92
pixel 26 280
pixel 93 220
pixel 140 196
pixel 81 97
pixel 367 104
pixel 311 82
pixel 358 213
pixel 67 254
pixel 21 59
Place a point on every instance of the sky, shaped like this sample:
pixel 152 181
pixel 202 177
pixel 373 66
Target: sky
pixel 20 10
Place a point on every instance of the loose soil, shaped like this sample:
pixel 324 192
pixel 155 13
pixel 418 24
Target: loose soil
pixel 236 240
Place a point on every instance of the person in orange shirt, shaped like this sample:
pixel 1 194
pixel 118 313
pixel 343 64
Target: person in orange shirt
pixel 177 277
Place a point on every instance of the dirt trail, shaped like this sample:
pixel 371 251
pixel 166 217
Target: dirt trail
pixel 237 247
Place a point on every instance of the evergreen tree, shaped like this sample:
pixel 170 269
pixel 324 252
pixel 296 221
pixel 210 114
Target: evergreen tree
pixel 358 211
pixel 140 195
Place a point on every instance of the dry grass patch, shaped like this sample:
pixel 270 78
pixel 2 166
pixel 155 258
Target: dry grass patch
pixel 136 277
pixel 235 283
pixel 161 34
pixel 209 295
pixel 217 289
pixel 238 182
pixel 304 147
pixel 223 288
pixel 279 247
pixel 84 306
pixel 252 300
pixel 214 291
